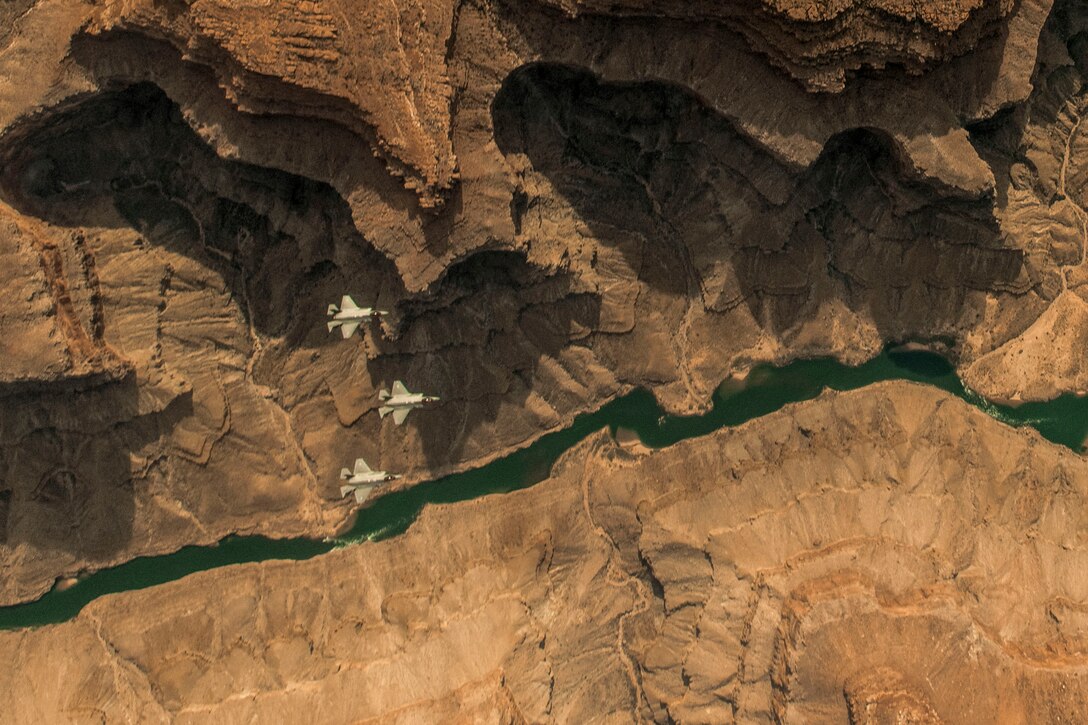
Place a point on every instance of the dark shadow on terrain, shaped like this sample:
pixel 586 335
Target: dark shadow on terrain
pixel 1068 26
pixel 67 466
pixel 477 340
pixel 10 11
pixel 289 247
pixel 127 158
pixel 1016 141
pixel 339 127
pixel 640 39
pixel 650 158
pixel 976 63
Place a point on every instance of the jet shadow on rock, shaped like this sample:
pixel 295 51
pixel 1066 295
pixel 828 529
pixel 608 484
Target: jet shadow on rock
pixel 651 158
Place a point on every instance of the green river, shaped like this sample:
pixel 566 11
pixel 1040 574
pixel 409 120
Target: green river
pixel 1063 420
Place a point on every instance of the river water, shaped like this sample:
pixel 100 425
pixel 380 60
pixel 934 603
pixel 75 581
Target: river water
pixel 766 389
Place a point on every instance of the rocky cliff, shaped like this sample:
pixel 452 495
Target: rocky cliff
pixel 557 206
pixel 557 201
pixel 887 555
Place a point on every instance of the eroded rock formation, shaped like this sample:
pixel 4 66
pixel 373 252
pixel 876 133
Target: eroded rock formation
pixel 883 555
pixel 557 201
pixel 821 43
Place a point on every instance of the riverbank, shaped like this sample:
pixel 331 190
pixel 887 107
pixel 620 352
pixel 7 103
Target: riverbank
pixel 764 390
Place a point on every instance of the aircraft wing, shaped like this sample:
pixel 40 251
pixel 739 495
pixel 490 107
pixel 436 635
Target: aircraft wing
pixel 362 493
pixel 400 414
pixel 348 329
pixel 346 303
pixel 361 467
pixel 399 389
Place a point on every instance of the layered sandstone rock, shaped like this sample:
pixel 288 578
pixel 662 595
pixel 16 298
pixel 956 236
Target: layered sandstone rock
pixel 885 555
pixel 555 208
pixel 821 43
pixel 377 69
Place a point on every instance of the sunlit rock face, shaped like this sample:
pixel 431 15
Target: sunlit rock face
pixel 885 555
pixel 556 202
pixel 824 44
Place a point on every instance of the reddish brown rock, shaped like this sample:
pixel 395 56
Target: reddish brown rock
pixel 884 555
pixel 556 207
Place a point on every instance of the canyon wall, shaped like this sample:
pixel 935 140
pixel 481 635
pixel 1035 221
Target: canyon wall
pixel 884 555
pixel 557 201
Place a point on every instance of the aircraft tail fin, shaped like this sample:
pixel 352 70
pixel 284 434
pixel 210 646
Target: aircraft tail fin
pixel 384 411
pixel 400 414
pixel 348 329
pixel 333 309
pixel 345 490
pixel 333 324
pixel 384 395
pixel 344 474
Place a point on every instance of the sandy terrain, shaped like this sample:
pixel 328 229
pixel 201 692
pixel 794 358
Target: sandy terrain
pixel 557 201
pixel 886 555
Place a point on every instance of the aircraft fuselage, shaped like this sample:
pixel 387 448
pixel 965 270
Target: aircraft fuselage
pixel 415 400
pixel 371 477
pixel 362 313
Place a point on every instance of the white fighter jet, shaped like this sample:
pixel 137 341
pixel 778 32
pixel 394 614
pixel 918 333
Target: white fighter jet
pixel 348 316
pixel 362 480
pixel 401 401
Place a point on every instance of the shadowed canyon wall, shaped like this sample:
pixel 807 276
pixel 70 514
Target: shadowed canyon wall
pixel 557 202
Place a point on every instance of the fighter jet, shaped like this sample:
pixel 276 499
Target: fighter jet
pixel 400 402
pixel 348 316
pixel 362 480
